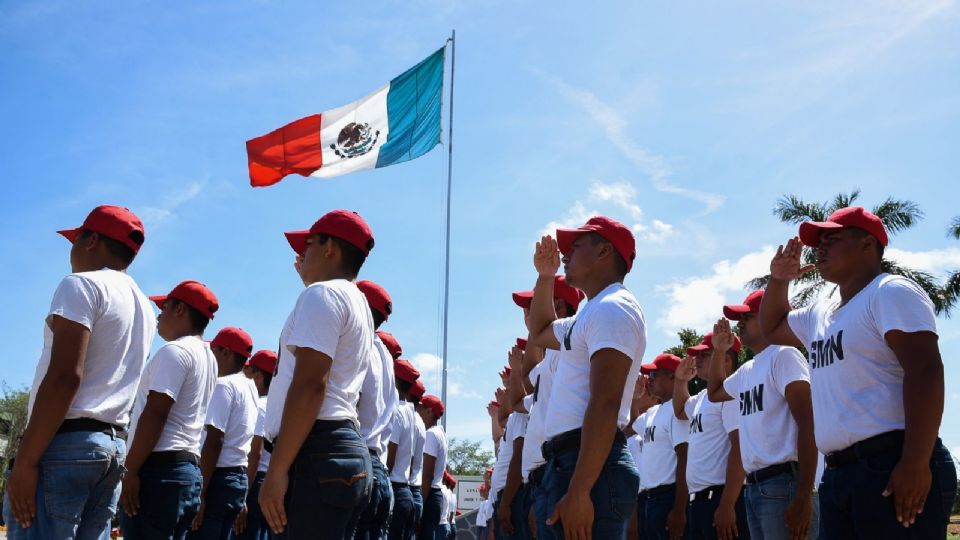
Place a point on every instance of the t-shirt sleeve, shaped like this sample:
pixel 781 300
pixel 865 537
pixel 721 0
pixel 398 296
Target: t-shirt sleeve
pixel 318 320
pixel 679 430
pixel 77 299
pixel 900 304
pixel 730 416
pixel 431 445
pixel 172 371
pixel 801 322
pixel 789 366
pixel 260 429
pixel 688 407
pixel 611 326
pixel 731 385
pixel 397 427
pixel 561 327
pixel 218 411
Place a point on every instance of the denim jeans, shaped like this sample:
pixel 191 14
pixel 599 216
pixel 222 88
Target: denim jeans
pixel 169 500
pixel 432 514
pixel 257 528
pixel 330 478
pixel 417 508
pixel 78 487
pixel 853 506
pixel 766 504
pixel 655 511
pixel 222 504
pixel 700 518
pixel 613 495
pixel 482 533
pixel 518 516
pixel 641 512
pixel 401 522
pixel 539 501
pixel 375 516
pixel 442 532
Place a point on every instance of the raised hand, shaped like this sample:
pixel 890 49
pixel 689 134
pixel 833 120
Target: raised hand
pixel 501 395
pixel 785 265
pixel 515 358
pixel 505 377
pixel 687 369
pixel 546 257
pixel 722 336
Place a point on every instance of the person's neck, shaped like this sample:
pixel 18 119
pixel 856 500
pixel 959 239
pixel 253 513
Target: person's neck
pixel 855 283
pixel 184 333
pixel 595 286
pixel 758 348
pixel 326 275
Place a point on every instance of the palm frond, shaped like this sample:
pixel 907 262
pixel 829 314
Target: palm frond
pixel 793 209
pixel 842 200
pixel 898 215
pixel 807 294
pixel 954 229
pixel 758 283
pixel 925 280
pixel 951 293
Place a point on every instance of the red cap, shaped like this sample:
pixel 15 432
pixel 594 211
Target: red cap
pixel 343 224
pixel 193 294
pixel 507 369
pixel 707 344
pixel 404 370
pixel 489 469
pixel 612 231
pixel 521 343
pixel 113 222
pixel 750 305
pixel 493 402
pixel 433 403
pixel 418 389
pixel 234 339
pixel 265 360
pixel 391 342
pixel 851 216
pixel 561 290
pixel 377 297
pixel 669 362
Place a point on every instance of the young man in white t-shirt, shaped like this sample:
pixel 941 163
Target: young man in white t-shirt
pixel 434 464
pixel 877 380
pixel 161 487
pixel 250 524
pixel 378 400
pixel 714 471
pixel 663 457
pixel 326 347
pixel 511 522
pixel 227 437
pixel 400 450
pixel 591 478
pixel 419 438
pixel 96 337
pixel 776 426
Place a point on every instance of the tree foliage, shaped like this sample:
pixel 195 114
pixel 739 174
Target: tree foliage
pixel 13 419
pixel 466 457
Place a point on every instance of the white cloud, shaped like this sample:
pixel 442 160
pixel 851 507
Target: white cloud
pixel 430 367
pixel 937 261
pixel 154 215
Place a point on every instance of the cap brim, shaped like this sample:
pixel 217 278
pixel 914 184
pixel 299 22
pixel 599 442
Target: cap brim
pixel 523 299
pixel 810 231
pixel 647 368
pixel 159 300
pixel 70 234
pixel 566 237
pixel 735 312
pixel 298 240
pixel 697 348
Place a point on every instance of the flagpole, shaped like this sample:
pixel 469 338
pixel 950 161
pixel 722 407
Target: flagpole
pixel 446 251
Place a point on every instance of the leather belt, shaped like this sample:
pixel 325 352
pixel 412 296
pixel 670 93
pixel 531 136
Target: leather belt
pixel 874 446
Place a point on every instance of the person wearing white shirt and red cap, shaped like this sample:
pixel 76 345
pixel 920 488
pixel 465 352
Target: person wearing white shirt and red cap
pixel 401 447
pixel 250 524
pixel 230 425
pixel 326 347
pixel 419 438
pixel 96 338
pixel 434 465
pixel 601 348
pixel 877 381
pixel 161 488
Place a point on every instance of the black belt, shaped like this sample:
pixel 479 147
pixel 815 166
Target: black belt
pixel 322 425
pixel 237 469
pixel 173 456
pixel 536 475
pixel 399 485
pixel 707 494
pixel 663 488
pixel 374 452
pixel 570 441
pixel 866 448
pixel 789 467
pixel 71 425
pixel 268 445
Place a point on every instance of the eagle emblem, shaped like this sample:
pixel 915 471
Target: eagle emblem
pixel 355 140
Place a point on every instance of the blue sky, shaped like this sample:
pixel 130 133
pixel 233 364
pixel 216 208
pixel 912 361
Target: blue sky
pixel 686 121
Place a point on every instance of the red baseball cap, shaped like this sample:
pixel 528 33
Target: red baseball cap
pixel 391 342
pixel 561 290
pixel 507 369
pixel 750 305
pixel 669 362
pixel 265 360
pixel 707 344
pixel 113 222
pixel 433 403
pixel 404 370
pixel 343 224
pixel 418 389
pixel 612 231
pixel 234 339
pixel 493 402
pixel 377 297
pixel 521 343
pixel 851 216
pixel 193 294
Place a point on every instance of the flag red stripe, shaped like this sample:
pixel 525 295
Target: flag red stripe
pixel 292 149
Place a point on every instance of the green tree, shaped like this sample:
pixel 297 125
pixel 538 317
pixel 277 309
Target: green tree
pixel 897 216
pixel 951 289
pixel 688 338
pixel 465 457
pixel 13 419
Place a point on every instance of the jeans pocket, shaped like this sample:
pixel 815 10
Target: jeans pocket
pixel 777 489
pixel 66 485
pixel 622 484
pixel 880 464
pixel 343 479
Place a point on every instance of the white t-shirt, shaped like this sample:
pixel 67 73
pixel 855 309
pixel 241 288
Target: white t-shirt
pixel 768 432
pixel 542 378
pixel 709 439
pixel 633 446
pixel 378 398
pixel 484 513
pixel 661 433
pixel 233 410
pixel 436 446
pixel 401 434
pixel 186 370
pixel 448 504
pixel 419 439
pixel 516 428
pixel 611 320
pixel 259 431
pixel 856 379
pixel 331 317
pixel 122 325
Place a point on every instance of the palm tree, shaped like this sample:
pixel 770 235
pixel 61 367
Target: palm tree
pixel 897 215
pixel 951 289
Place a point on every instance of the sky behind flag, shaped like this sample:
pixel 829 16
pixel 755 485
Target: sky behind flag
pixel 685 121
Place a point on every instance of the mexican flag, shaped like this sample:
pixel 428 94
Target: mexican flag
pixel 397 122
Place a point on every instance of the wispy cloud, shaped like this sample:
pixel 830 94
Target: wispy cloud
pixel 936 261
pixel 155 215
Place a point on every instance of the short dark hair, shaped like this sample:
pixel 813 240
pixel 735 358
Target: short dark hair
pixel 619 264
pixel 198 321
pixel 404 386
pixel 571 311
pixel 353 257
pixel 117 249
pixel 378 318
pixel 863 233
pixel 267 377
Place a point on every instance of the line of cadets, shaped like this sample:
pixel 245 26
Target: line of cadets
pixel 333 438
pixel 840 443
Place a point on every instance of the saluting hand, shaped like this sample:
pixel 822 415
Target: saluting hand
pixel 722 336
pixel 785 264
pixel 687 369
pixel 515 358
pixel 546 257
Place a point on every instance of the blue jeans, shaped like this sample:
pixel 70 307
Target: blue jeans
pixel 78 487
pixel 222 504
pixel 613 495
pixel 853 506
pixel 442 532
pixel 518 516
pixel 375 516
pixel 655 511
pixel 700 516
pixel 767 503
pixel 417 507
pixel 330 478
pixel 401 522
pixel 432 514
pixel 257 528
pixel 539 500
pixel 169 500
pixel 641 512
